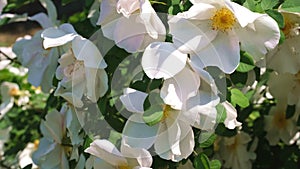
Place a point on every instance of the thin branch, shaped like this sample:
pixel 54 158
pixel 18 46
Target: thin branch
pixel 8 58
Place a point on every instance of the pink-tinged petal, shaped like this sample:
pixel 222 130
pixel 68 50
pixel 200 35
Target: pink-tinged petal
pixel 85 50
pixel 107 151
pixel 127 7
pixel 133 100
pixel 138 134
pixel 108 18
pixel 129 39
pixel 3 3
pixel 191 35
pixel 176 90
pixel 265 36
pixel 223 52
pixel 162 60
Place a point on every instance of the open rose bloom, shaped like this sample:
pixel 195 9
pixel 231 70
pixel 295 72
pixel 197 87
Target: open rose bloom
pixel 213 32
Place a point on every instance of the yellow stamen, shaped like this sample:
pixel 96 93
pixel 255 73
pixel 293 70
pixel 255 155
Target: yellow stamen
pixel 123 166
pixel 14 92
pixel 166 112
pixel 288 26
pixel 36 144
pixel 223 20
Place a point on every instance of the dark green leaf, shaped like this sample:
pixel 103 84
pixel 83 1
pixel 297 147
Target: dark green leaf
pixel 290 111
pixel 277 16
pixel 215 164
pixel 206 139
pixel 238 98
pixel 201 162
pixel 246 63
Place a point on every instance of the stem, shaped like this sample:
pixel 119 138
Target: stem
pixel 6 56
pixel 10 59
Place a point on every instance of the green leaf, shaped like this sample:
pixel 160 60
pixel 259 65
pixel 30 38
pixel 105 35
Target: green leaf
pixel 221 113
pixel 250 4
pixel 291 5
pixel 153 115
pixel 173 10
pixel 268 4
pixel 238 98
pixel 290 111
pixel 277 16
pixel 246 63
pixel 201 162
pixel 215 164
pixel 206 139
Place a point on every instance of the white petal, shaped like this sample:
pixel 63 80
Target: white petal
pixel 133 100
pixel 162 60
pixel 42 19
pixel 285 58
pixel 51 10
pixel 142 156
pixel 280 85
pixel 175 91
pixel 85 50
pixel 153 24
pixel 5 106
pixel 52 128
pixel 54 37
pixel 138 134
pixel 242 14
pixel 127 7
pixel 191 35
pixel 231 115
pixel 187 142
pixel 130 39
pixel 265 37
pixel 2 5
pixel 108 18
pixel 201 112
pixel 107 151
pixel 223 52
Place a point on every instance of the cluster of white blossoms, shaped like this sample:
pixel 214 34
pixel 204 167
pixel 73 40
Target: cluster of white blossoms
pixel 284 82
pixel 211 33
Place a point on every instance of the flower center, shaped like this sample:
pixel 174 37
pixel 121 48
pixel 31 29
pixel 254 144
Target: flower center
pixel 223 20
pixel 123 166
pixel 14 92
pixel 235 144
pixel 288 27
pixel 166 112
pixel 279 120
